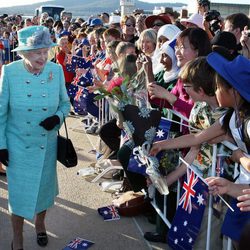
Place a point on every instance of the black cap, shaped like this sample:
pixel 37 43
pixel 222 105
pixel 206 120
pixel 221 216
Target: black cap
pixel 225 39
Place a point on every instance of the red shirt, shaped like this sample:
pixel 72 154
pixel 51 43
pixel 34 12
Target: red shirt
pixel 60 58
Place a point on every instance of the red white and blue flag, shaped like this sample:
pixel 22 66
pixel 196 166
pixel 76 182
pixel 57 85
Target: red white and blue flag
pixel 162 132
pixel 109 213
pixel 187 221
pixel 79 244
pixel 136 163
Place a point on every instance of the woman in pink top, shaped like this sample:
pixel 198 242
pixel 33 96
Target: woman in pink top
pixel 191 43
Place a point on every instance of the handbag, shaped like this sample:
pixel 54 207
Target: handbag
pixel 66 153
pixel 131 203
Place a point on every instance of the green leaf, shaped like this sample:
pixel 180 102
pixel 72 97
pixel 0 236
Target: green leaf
pixel 99 97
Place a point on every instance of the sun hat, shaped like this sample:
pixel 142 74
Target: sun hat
pixel 195 18
pixel 149 21
pixel 34 37
pixel 114 19
pixel 96 22
pixel 235 72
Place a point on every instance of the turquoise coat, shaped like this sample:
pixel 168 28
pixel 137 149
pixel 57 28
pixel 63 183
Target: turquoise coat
pixel 25 101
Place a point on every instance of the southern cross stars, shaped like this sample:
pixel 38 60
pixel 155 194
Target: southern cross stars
pixel 200 199
pixel 160 133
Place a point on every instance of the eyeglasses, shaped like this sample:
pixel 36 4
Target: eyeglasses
pixel 187 86
pixel 130 25
pixel 158 24
pixel 181 47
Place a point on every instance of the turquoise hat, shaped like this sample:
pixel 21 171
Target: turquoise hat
pixel 34 37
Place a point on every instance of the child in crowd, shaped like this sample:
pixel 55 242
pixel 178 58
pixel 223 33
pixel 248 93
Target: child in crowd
pixel 61 58
pixel 7 43
pixel 232 80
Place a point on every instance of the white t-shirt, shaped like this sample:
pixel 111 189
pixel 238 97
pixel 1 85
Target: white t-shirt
pixel 244 177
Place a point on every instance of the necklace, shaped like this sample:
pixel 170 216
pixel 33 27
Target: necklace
pixel 33 73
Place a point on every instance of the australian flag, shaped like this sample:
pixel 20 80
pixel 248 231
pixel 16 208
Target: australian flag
pixel 83 63
pixel 71 62
pixel 80 101
pixel 109 213
pixel 79 244
pixel 162 132
pixel 72 90
pixel 136 162
pixel 187 221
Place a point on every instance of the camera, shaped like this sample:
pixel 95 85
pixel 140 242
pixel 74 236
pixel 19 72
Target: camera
pixel 212 15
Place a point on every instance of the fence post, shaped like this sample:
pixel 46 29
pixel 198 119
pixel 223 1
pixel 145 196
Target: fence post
pixel 210 209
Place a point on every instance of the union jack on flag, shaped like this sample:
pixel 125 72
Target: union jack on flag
pixel 69 58
pixel 71 63
pixel 79 244
pixel 109 213
pixel 189 191
pixel 76 80
pixel 81 71
pixel 78 94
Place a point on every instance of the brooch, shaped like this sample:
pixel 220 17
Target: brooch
pixel 50 76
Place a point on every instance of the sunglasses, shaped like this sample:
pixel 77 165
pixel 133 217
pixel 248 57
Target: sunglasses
pixel 158 24
pixel 130 25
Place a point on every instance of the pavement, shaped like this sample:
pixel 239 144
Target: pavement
pixel 75 211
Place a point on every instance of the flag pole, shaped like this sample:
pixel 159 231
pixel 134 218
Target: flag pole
pixel 189 166
pixel 210 204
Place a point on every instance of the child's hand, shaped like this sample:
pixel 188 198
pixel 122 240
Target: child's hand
pixel 218 185
pixel 157 147
pixel 244 199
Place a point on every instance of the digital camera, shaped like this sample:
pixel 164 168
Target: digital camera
pixel 212 15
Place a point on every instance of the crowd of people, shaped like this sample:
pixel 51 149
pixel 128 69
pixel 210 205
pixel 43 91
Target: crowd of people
pixel 198 66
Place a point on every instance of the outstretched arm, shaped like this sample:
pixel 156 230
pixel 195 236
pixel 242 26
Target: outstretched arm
pixel 189 140
pixel 182 169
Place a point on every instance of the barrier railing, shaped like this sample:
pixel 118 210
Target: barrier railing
pixel 163 214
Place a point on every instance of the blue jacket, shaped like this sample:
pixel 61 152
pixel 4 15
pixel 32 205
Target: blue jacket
pixel 25 101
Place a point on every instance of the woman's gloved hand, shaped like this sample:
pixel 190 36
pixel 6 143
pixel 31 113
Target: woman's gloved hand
pixel 50 122
pixel 4 157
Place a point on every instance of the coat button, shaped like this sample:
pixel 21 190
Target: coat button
pixel 27 147
pixel 27 134
pixel 29 95
pixel 28 122
pixel 29 110
pixel 41 147
pixel 28 81
pixel 42 81
pixel 43 95
pixel 45 109
pixel 43 134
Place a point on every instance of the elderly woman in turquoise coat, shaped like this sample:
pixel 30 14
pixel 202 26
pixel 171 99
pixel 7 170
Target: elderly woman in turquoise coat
pixel 33 105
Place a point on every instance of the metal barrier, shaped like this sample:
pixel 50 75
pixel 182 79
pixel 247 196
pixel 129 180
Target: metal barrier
pixel 163 213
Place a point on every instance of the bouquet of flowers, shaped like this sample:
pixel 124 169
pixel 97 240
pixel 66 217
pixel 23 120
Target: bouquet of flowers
pixel 139 122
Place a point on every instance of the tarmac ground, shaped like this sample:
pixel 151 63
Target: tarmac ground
pixel 75 211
